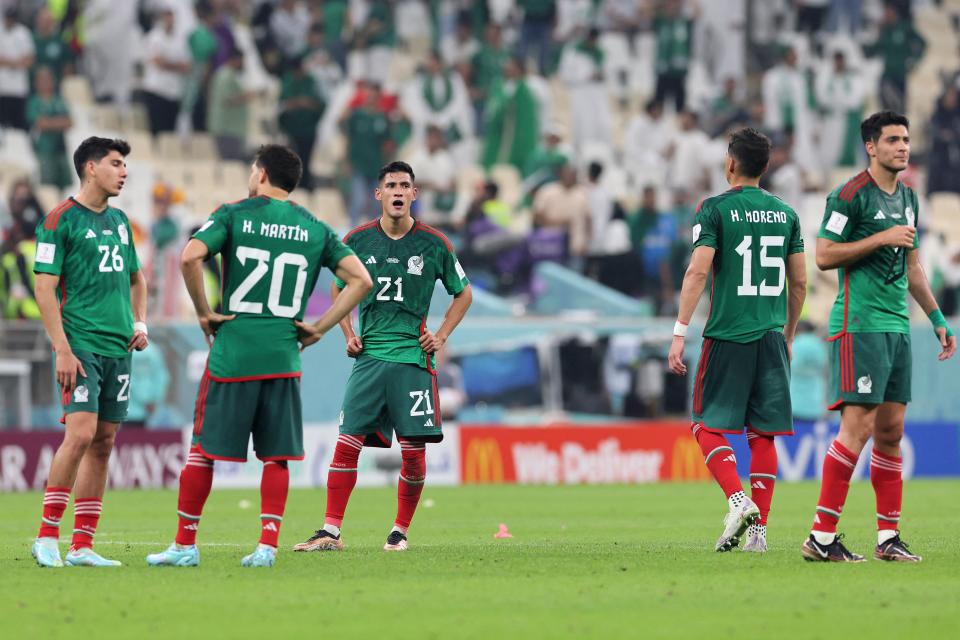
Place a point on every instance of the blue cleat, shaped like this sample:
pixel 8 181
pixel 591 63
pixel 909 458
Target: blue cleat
pixel 87 557
pixel 175 556
pixel 263 556
pixel 46 552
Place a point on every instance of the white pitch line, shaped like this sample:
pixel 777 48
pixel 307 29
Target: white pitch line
pixel 161 544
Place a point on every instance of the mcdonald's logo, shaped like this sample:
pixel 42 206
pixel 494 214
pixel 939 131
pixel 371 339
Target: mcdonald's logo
pixel 687 461
pixel 483 462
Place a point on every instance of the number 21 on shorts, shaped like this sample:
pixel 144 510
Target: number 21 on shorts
pixel 421 398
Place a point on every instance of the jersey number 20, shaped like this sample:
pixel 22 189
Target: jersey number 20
pixel 260 269
pixel 747 288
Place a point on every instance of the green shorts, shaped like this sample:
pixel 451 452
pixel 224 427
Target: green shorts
pixel 228 413
pixel 386 397
pixel 106 389
pixel 744 385
pixel 870 368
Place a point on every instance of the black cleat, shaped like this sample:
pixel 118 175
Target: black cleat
pixel 813 551
pixel 322 540
pixel 396 541
pixel 895 550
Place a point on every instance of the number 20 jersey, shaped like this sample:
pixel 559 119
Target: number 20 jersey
pixel 753 232
pixel 272 252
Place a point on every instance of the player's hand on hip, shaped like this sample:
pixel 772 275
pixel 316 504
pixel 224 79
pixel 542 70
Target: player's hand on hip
pixel 307 334
pixel 139 341
pixel 430 342
pixel 68 369
pixel 354 347
pixel 899 236
pixel 675 358
pixel 948 344
pixel 211 324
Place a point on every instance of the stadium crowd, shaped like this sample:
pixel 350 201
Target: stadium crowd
pixel 578 131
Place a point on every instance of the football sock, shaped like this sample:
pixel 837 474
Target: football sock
pixel 274 485
pixel 736 499
pixel 763 472
pixel 54 504
pixel 718 455
pixel 885 534
pixel 195 482
pixel 413 472
pixel 887 479
pixel 757 529
pixel 86 515
pixel 838 467
pixel 342 478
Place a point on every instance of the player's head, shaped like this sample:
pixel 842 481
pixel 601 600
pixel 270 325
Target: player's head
pixel 886 137
pixel 102 163
pixel 275 166
pixel 396 189
pixel 747 154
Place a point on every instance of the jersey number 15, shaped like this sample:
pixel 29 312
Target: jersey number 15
pixel 747 288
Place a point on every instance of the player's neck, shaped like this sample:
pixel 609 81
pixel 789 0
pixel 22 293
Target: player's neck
pixel 92 197
pixel 741 181
pixel 885 179
pixel 396 228
pixel 273 192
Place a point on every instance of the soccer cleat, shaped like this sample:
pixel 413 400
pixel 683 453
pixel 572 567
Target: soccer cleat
pixel 322 540
pixel 735 523
pixel 813 551
pixel 895 550
pixel 87 557
pixel 263 556
pixel 46 552
pixel 175 556
pixel 396 541
pixel 756 541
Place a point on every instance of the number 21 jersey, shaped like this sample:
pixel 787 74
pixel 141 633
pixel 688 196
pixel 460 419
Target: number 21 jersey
pixel 753 232
pixel 272 252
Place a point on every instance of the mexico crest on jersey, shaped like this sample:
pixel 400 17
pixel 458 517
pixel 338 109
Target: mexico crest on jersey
pixel 415 265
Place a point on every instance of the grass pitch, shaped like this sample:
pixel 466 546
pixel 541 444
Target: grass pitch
pixel 585 562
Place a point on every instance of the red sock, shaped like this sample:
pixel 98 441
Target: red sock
pixel 342 477
pixel 718 455
pixel 838 468
pixel 274 485
pixel 195 482
pixel 886 476
pixel 413 472
pixel 763 472
pixel 55 501
pixel 86 515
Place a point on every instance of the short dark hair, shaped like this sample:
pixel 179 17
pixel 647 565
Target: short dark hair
pixel 283 166
pixel 96 149
pixel 872 127
pixel 751 150
pixel 397 166
pixel 594 170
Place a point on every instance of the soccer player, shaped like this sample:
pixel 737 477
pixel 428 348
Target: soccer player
pixel 393 385
pixel 751 240
pixel 93 300
pixel 272 251
pixel 869 235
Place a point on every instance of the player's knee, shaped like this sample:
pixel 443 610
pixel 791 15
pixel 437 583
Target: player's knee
pixel 78 440
pixel 102 445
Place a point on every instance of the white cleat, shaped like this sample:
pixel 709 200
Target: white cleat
pixel 735 524
pixel 756 540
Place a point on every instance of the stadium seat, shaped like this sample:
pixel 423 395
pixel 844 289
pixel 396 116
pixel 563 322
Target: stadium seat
pixel 328 205
pixel 48 195
pixel 233 175
pixel 141 144
pixel 170 146
pixel 76 91
pixel 201 146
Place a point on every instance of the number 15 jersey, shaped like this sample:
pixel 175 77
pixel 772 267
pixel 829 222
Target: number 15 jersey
pixel 272 252
pixel 753 232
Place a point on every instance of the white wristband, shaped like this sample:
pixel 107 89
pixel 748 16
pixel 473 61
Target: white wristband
pixel 141 327
pixel 679 329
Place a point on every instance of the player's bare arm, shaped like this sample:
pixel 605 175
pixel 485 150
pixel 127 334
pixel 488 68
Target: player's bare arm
pixel 694 281
pixel 831 255
pixel 138 303
pixel 68 366
pixel 354 343
pixel 191 265
pixel 432 342
pixel 796 294
pixel 919 288
pixel 358 284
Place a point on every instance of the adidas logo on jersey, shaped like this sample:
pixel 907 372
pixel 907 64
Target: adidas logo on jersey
pixel 270 526
pixel 879 216
pixel 428 423
pixel 90 234
pixel 371 260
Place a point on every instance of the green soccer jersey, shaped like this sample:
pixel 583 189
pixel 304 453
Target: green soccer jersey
pixel 272 252
pixel 873 292
pixel 93 254
pixel 753 232
pixel 404 272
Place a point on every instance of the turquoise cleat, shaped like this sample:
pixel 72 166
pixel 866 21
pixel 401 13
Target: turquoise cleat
pixel 46 552
pixel 263 556
pixel 87 557
pixel 175 556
